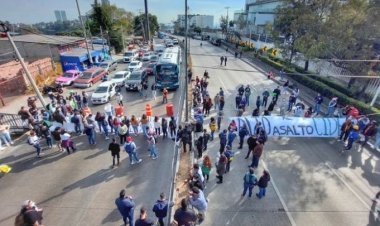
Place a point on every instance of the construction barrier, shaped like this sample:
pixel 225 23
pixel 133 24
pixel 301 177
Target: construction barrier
pixel 169 110
pixel 119 110
pixel 148 110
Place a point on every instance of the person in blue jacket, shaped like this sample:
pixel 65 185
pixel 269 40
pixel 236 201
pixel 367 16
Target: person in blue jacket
pixel 160 208
pixel 223 140
pixel 352 137
pixel 243 132
pixel 231 137
pixel 126 207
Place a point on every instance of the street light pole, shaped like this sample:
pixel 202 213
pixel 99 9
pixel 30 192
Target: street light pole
pixel 147 20
pixel 84 33
pixel 228 24
pixel 186 73
pixel 5 29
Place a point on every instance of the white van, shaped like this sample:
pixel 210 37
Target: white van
pixel 130 56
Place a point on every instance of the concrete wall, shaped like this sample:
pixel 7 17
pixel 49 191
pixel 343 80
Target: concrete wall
pixel 29 51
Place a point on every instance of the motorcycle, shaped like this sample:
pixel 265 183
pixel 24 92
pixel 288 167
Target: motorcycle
pixel 53 89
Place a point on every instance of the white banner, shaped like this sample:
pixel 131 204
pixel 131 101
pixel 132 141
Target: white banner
pixel 278 126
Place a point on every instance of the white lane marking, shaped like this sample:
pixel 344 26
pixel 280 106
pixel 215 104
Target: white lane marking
pixel 348 186
pixel 290 217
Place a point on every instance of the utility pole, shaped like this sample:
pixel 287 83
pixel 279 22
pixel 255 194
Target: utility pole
pixel 228 23
pixel 147 20
pixel 84 33
pixel 186 73
pixel 142 24
pixel 5 29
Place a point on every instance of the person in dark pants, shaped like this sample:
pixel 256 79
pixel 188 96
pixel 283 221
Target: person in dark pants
pixel 115 151
pixel 242 133
pixel 221 60
pixel 223 140
pixel 221 168
pixel 160 208
pixel 225 60
pixel 258 102
pixel 144 220
pixel 257 152
pixel 199 145
pixel 126 207
pixel 172 127
pixel 263 183
pixel 251 141
pixel 206 138
pixel 186 138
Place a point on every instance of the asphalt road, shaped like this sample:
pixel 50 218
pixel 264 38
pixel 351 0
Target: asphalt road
pixel 80 189
pixel 311 183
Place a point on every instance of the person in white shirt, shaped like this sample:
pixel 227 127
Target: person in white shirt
pixel 157 126
pixel 34 140
pixel 108 109
pixel 67 142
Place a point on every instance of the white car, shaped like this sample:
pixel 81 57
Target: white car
pixel 146 56
pixel 135 65
pixel 103 93
pixel 169 44
pixel 130 56
pixel 108 66
pixel 120 77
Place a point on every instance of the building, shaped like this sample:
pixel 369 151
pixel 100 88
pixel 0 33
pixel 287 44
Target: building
pixel 202 21
pixel 63 15
pixel 33 47
pixel 238 14
pixel 259 13
pixel 60 15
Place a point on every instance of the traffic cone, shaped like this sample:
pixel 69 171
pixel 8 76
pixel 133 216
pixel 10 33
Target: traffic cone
pixel 148 110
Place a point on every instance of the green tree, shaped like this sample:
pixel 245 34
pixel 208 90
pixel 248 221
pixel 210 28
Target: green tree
pixel 139 24
pixel 223 23
pixel 241 22
pixel 197 29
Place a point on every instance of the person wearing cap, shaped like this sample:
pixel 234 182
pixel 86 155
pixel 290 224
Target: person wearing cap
pixel 131 149
pixel 126 207
pixel 160 208
pixel 115 151
pixel 198 201
pixel 352 137
pixel 30 215
pixel 257 152
pixel 144 220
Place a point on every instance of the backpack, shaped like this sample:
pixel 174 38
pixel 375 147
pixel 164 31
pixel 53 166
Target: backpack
pixel 250 181
pixel 74 119
pixel 129 148
pixel 198 127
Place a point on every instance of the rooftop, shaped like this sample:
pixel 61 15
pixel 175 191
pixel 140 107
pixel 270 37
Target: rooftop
pixel 45 39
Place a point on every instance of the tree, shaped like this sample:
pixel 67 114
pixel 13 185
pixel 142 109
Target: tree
pixel 197 29
pixel 241 22
pixel 231 23
pixel 223 23
pixel 139 24
pixel 302 24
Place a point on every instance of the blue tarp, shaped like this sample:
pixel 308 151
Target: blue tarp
pixel 77 59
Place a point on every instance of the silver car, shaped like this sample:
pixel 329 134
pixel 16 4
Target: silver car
pixel 108 65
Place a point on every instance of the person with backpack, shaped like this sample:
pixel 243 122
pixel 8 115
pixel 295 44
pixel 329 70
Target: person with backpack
pixel 131 149
pixel 229 155
pixel 249 181
pixel 126 207
pixel 160 209
pixel 257 152
pixel 263 183
pixel 231 137
pixel 206 168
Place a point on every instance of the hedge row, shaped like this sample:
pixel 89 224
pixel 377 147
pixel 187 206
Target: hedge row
pixel 324 80
pixel 321 87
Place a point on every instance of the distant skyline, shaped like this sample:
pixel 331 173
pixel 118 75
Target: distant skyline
pixel 34 11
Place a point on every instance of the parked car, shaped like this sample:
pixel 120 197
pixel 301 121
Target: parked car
pixel 90 77
pixel 103 93
pixel 134 65
pixel 109 65
pixel 67 79
pixel 130 56
pixel 175 41
pixel 136 78
pixel 120 77
pixel 153 58
pixel 169 44
pixel 150 69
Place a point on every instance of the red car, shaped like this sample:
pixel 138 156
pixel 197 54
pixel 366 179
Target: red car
pixel 90 77
pixel 150 69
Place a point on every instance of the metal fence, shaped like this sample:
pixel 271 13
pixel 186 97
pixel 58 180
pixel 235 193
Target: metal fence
pixel 16 123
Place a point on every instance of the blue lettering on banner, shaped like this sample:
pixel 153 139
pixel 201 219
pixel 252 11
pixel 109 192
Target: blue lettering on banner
pixel 293 126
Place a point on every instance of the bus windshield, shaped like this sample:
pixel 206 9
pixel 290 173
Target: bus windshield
pixel 166 72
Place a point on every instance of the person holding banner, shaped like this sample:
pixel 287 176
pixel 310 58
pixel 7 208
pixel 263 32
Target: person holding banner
pixel 352 137
pixel 318 102
pixel 258 103
pixel 252 142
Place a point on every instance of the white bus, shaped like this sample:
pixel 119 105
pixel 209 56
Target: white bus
pixel 168 69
